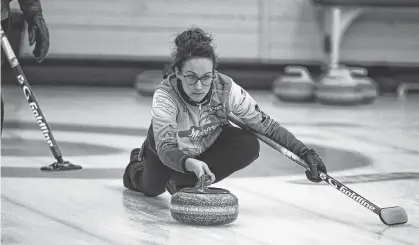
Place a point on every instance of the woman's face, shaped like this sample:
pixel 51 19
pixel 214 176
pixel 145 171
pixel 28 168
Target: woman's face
pixel 196 76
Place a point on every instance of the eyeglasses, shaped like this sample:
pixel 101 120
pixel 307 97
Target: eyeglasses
pixel 192 79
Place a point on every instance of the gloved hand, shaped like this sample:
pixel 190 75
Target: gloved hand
pixel 315 165
pixel 37 28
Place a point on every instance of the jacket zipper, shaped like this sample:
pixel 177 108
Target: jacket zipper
pixel 199 124
pixel 199 115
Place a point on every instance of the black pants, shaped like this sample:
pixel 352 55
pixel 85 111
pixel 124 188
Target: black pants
pixel 234 149
pixel 2 114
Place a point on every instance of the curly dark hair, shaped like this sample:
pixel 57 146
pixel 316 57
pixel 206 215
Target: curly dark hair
pixel 193 42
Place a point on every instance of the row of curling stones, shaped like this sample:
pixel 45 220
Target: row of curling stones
pixel 296 85
pixel 148 81
pixel 369 88
pixel 343 86
pixel 338 86
pixel 202 205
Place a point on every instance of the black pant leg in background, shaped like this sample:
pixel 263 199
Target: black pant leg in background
pixel 2 114
pixel 5 24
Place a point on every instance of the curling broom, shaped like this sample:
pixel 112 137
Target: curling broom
pixel 60 165
pixel 389 215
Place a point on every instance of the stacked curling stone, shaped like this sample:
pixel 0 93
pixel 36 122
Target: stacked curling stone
pixel 201 205
pixel 296 85
pixel 337 87
pixel 148 81
pixel 369 88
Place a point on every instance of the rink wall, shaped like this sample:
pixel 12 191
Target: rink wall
pixel 109 42
pixel 268 31
pixel 252 30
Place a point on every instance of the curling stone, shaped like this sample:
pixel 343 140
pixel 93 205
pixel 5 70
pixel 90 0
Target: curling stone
pixel 148 81
pixel 296 85
pixel 202 205
pixel 337 87
pixel 369 88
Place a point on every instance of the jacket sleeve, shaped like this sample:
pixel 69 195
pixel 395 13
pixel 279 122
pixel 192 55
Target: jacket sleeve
pixel 246 108
pixel 164 112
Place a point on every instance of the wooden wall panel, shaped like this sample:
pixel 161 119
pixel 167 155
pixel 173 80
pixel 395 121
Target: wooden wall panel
pixel 128 28
pixel 383 36
pixel 295 31
pixel 272 31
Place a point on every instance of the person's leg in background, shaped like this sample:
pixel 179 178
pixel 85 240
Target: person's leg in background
pixel 5 24
pixel 2 114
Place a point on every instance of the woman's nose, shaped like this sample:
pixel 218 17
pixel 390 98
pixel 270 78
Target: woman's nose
pixel 198 85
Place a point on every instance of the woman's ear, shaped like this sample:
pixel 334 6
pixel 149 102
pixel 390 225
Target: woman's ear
pixel 177 72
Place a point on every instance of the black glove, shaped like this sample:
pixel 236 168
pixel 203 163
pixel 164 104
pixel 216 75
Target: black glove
pixel 315 165
pixel 37 28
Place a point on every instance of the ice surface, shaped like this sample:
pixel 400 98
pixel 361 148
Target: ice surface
pixel 373 149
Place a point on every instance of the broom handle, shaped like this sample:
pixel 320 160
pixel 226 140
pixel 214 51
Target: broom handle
pixel 325 177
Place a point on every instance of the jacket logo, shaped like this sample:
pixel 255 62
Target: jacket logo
pixel 263 114
pixel 216 108
pixel 162 103
pixel 219 91
pixel 198 132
